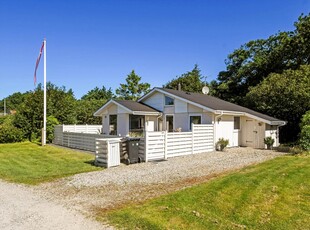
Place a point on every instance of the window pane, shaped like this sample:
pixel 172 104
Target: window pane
pixel 236 122
pixel 169 122
pixel 169 101
pixel 136 123
pixel 194 120
pixel 113 125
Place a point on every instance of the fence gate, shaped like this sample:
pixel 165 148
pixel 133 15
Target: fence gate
pixel 114 153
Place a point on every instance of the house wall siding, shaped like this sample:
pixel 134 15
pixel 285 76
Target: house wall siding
pixel 180 106
pixel 156 101
pixel 105 124
pixel 181 121
pixel 224 129
pixel 123 124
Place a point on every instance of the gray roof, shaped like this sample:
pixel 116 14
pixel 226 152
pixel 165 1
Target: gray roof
pixel 136 106
pixel 216 103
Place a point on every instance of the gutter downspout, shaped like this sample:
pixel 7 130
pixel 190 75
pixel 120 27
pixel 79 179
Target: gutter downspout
pixel 214 127
pixel 278 131
pixel 160 115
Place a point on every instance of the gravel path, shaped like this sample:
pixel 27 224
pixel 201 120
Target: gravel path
pixel 22 208
pixel 114 187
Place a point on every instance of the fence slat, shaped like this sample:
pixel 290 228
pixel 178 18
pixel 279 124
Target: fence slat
pixel 162 145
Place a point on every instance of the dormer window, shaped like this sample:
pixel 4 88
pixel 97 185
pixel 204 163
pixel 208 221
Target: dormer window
pixel 169 100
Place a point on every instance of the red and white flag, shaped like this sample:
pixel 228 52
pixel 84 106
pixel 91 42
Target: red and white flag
pixel 37 64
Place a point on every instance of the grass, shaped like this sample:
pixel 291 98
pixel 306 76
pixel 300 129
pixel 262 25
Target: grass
pixel 30 163
pixel 271 195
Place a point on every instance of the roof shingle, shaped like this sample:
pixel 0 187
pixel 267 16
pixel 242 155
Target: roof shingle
pixel 136 106
pixel 216 103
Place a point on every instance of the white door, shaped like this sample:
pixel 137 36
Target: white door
pixel 114 154
pixel 150 126
pixel 249 130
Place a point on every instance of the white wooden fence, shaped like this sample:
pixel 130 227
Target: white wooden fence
pixel 78 136
pixel 95 129
pixel 162 145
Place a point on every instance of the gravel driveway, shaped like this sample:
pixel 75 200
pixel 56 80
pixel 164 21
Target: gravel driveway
pixel 21 208
pixel 114 187
pixel 71 203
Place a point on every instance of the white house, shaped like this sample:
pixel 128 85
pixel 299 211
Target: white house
pixel 173 110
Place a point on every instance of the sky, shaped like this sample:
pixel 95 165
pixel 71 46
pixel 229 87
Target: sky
pixel 97 43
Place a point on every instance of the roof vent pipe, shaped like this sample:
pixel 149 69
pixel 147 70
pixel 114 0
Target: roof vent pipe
pixel 179 86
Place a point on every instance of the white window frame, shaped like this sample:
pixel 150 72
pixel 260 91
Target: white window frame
pixel 110 123
pixel 165 101
pixel 239 123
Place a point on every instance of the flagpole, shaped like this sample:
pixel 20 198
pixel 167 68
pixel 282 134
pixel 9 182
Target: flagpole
pixel 44 117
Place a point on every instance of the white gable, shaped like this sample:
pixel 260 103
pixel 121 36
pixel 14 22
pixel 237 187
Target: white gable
pixel 156 100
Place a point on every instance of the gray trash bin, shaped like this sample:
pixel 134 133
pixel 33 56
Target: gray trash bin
pixel 132 145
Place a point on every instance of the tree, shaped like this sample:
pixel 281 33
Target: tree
pixel 285 96
pixel 60 104
pixel 190 81
pixel 304 140
pixel 14 101
pixel 254 61
pixel 85 110
pixel 98 94
pixel 51 122
pixel 133 89
pixel 90 103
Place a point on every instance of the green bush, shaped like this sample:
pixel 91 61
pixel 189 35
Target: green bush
pixel 51 121
pixel 8 132
pixel 221 144
pixel 304 140
pixel 269 141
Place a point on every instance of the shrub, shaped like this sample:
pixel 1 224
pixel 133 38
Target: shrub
pixel 51 121
pixel 221 144
pixel 9 133
pixel 269 141
pixel 304 140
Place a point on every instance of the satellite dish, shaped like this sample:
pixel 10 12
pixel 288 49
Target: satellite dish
pixel 205 90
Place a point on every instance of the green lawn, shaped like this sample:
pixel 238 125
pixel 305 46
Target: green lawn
pixel 271 195
pixel 30 163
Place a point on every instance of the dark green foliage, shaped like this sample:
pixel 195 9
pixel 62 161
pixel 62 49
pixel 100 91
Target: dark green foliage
pixel 98 94
pixel 255 60
pixel 191 81
pixel 133 89
pixel 8 132
pixel 285 96
pixel 90 103
pixel 85 110
pixel 51 121
pixel 13 102
pixel 305 132
pixel 60 104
